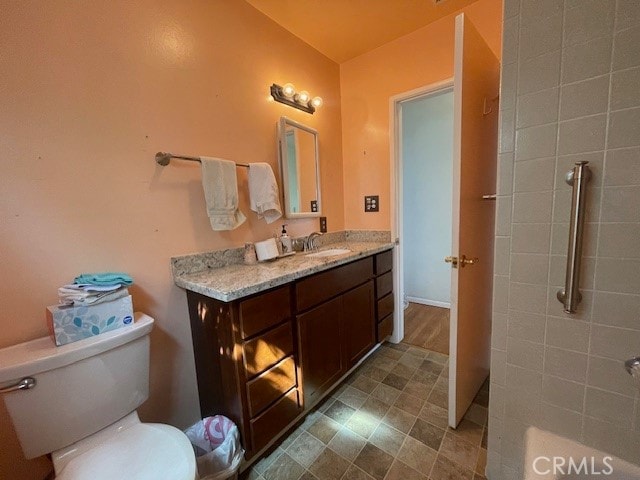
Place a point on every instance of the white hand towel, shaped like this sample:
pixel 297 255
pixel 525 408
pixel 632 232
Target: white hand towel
pixel 221 193
pixel 263 192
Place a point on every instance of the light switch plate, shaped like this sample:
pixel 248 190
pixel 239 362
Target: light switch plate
pixel 372 203
pixel 323 224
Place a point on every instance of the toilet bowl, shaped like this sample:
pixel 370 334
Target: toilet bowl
pixel 82 408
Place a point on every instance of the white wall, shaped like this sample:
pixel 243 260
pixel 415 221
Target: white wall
pixel 427 142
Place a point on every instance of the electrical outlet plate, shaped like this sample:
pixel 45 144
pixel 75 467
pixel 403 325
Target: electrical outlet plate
pixel 372 203
pixel 323 224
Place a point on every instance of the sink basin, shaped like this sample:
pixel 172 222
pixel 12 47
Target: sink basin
pixel 329 253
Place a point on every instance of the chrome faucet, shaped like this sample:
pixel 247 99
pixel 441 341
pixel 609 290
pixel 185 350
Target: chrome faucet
pixel 310 242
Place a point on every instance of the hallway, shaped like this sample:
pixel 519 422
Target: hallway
pixel 427 327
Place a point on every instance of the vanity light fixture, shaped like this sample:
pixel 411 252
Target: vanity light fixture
pixel 301 100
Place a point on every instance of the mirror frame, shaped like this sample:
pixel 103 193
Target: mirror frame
pixel 284 167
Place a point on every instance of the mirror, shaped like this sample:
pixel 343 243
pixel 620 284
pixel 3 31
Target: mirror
pixel 299 169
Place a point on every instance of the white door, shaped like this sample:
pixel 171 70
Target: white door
pixel 475 87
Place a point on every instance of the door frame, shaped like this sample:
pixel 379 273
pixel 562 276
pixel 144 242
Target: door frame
pixel 396 171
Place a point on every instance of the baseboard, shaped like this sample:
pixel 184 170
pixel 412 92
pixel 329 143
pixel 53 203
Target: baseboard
pixel 424 301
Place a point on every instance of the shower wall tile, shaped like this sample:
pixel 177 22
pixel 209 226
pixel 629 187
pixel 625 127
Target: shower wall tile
pixel 534 175
pixel 588 19
pixel 624 89
pixel 537 108
pixel 582 135
pixel 626 53
pixel 628 14
pixel 622 167
pixel 539 73
pixel 540 37
pixel 609 375
pixel 531 238
pixel 586 60
pixel 608 406
pixel 565 364
pixel 616 310
pixel 569 94
pixel 624 128
pixel 584 98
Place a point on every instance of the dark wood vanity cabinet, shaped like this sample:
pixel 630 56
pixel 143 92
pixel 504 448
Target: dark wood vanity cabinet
pixel 384 294
pixel 264 359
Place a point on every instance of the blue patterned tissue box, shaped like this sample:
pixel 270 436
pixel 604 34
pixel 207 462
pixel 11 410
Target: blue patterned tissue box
pixel 68 323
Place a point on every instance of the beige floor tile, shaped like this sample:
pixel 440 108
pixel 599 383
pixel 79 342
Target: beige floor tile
pixel 362 423
pixel 469 431
pixel 409 403
pixel 308 476
pixel 401 471
pixel 364 384
pixel 417 455
pixel 339 412
pixel 395 381
pixel 435 415
pixel 305 449
pixel 399 419
pixel 355 473
pixel 375 407
pixel 481 464
pixel 375 373
pixel 347 444
pixel 284 468
pixel 374 461
pixel 404 371
pixel 385 393
pixel 353 397
pixel 410 360
pixel 329 466
pixel 428 434
pixel 419 389
pixel 392 353
pixel 324 428
pixel 387 438
pixel 445 469
pixel 459 451
pixel 477 414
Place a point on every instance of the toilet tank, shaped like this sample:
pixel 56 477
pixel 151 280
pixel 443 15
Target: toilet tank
pixel 81 387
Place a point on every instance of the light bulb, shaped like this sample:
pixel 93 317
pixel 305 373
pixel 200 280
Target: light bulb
pixel 289 90
pixel 316 102
pixel 303 97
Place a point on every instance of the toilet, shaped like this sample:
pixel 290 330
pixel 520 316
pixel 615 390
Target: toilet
pixel 82 407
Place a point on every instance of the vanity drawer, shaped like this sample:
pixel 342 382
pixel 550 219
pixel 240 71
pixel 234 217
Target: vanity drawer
pixel 323 286
pixel 272 421
pixel 385 327
pixel 268 349
pixel 384 262
pixel 269 386
pixel 384 284
pixel 264 311
pixel 385 306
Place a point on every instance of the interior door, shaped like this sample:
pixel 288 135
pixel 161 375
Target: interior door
pixel 476 86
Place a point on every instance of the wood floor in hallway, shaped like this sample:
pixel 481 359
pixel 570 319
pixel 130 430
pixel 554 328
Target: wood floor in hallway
pixel 427 327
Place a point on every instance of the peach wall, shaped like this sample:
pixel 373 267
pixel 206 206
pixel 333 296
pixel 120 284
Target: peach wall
pixel 367 82
pixel 88 93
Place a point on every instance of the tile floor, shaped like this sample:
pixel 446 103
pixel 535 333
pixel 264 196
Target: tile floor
pixel 387 421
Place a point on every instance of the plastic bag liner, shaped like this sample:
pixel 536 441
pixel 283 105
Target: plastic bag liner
pixel 216 442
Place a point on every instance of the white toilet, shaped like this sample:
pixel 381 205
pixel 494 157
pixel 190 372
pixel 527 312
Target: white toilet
pixel 82 408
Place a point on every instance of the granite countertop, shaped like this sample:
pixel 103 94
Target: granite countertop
pixel 236 280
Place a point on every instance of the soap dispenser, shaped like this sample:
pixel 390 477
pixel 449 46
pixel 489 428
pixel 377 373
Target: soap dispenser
pixel 285 240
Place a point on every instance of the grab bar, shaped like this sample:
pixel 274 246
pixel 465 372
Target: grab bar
pixel 570 295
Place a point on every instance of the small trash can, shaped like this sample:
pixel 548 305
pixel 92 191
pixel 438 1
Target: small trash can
pixel 216 442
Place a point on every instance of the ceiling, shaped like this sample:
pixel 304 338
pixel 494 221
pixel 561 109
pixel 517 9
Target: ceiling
pixel 344 29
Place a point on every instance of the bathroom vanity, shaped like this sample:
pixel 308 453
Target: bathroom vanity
pixel 271 340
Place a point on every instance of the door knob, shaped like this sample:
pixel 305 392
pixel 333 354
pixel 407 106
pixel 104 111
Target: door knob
pixel 468 261
pixel 452 260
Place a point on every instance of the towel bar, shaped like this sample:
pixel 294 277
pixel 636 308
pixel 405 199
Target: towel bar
pixel 163 158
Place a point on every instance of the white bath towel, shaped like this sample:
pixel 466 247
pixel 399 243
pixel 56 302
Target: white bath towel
pixel 263 192
pixel 221 193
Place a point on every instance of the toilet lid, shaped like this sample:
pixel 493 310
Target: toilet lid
pixel 145 451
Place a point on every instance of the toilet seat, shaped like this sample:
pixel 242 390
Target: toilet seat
pixel 143 451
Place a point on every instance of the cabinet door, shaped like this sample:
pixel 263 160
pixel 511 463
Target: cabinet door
pixel 320 331
pixel 359 322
